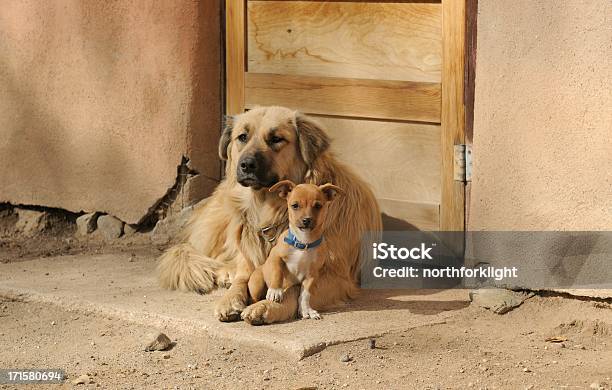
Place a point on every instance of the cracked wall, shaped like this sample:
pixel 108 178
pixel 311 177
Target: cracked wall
pixel 100 101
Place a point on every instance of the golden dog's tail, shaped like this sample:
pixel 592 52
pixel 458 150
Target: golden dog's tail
pixel 183 268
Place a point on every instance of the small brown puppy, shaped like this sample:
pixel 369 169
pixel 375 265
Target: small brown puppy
pixel 295 257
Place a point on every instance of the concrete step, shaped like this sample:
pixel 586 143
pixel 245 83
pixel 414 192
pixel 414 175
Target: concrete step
pixel 118 286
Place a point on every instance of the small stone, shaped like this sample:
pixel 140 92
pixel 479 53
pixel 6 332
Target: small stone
pixel 81 380
pixel 160 343
pixel 372 343
pixel 346 358
pixel 129 230
pixel 110 227
pixel 31 222
pixel 526 369
pixel 579 346
pixel 87 223
pixel 167 356
pixel 168 228
pixel 53 323
pixel 596 386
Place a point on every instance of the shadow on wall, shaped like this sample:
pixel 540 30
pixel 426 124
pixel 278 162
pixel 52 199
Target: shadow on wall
pixel 395 224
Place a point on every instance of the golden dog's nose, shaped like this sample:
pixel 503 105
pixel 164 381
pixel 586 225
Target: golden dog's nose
pixel 248 164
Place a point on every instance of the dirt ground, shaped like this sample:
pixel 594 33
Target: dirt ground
pixel 477 349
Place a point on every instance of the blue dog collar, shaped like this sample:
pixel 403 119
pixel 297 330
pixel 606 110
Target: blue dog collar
pixel 292 240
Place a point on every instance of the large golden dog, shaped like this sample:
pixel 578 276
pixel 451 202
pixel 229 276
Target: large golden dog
pixel 234 231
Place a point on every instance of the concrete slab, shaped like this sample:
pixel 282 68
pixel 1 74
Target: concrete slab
pixel 117 286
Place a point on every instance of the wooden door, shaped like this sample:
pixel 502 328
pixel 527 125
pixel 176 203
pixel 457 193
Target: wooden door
pixel 386 79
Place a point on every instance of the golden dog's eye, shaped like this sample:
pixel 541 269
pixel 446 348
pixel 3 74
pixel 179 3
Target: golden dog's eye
pixel 276 140
pixel 318 205
pixel 243 137
pixel 295 206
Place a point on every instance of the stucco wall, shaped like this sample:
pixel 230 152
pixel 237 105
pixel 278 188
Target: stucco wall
pixel 99 100
pixel 543 116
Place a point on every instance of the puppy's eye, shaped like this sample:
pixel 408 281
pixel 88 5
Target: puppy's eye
pixel 276 139
pixel 243 137
pixel 318 206
pixel 295 206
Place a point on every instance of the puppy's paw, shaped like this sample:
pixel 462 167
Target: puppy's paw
pixel 256 314
pixel 274 294
pixel 309 313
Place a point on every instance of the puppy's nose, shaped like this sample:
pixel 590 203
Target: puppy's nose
pixel 306 221
pixel 248 164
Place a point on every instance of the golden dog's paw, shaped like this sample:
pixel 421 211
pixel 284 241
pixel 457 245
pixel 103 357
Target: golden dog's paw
pixel 274 294
pixel 224 283
pixel 257 313
pixel 223 280
pixel 228 308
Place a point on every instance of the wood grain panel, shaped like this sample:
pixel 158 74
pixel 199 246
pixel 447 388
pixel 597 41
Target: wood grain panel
pixel 387 41
pixel 423 216
pixel 399 160
pixel 403 100
pixel 235 55
pixel 453 114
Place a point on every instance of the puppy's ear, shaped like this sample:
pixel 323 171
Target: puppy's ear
pixel 283 188
pixel 226 136
pixel 312 139
pixel 331 191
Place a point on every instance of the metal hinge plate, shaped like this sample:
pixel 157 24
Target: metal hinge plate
pixel 463 163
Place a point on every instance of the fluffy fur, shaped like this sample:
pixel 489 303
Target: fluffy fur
pixel 223 243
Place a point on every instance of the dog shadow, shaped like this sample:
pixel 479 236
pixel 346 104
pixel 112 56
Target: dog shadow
pixel 417 301
pixel 423 302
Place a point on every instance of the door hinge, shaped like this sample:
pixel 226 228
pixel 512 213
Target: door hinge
pixel 463 163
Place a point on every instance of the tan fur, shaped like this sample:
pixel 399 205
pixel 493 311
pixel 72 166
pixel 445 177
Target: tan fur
pixel 223 237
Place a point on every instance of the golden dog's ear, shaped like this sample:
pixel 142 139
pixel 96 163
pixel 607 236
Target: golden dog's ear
pixel 226 136
pixel 283 187
pixel 331 191
pixel 312 139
